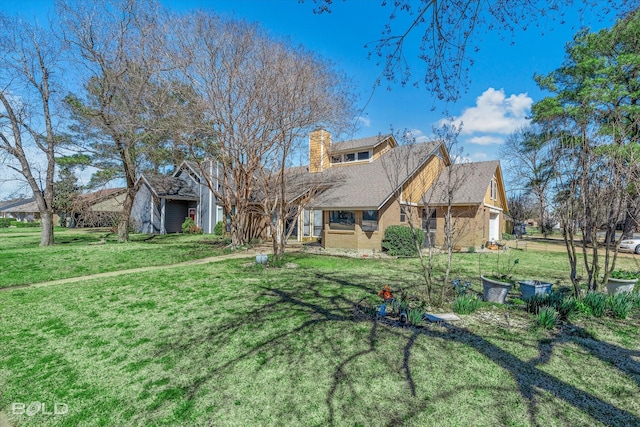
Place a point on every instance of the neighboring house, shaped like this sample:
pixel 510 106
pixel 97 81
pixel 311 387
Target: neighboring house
pixel 379 183
pixel 23 210
pixel 162 202
pixel 5 205
pixel 100 208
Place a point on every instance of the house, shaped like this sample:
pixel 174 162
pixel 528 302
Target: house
pixel 23 210
pixel 367 185
pixel 162 203
pixel 381 183
pixel 101 208
pixel 6 206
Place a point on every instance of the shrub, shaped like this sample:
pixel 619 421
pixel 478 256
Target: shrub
pixel 547 317
pixel 471 249
pixel 20 224
pixel 5 222
pixel 189 227
pixel 399 240
pixel 219 227
pixel 620 305
pixel 466 304
pixel 596 303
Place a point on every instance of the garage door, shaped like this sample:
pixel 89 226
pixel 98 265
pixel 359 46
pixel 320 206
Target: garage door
pixel 175 213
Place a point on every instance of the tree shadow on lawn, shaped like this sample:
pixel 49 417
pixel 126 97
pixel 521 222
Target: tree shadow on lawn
pixel 324 309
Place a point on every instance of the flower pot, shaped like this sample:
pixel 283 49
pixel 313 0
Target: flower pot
pixel 495 290
pixel 617 286
pixel 530 288
pixel 261 259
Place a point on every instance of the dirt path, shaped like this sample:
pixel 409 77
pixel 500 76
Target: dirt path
pixel 245 254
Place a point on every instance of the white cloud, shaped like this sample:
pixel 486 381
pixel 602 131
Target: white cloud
pixel 486 140
pixel 417 135
pixel 495 113
pixel 366 121
pixel 479 157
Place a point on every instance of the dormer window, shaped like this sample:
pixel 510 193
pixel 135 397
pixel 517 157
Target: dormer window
pixel 360 156
pixel 363 155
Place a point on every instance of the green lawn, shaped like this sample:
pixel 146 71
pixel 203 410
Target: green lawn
pixel 232 343
pixel 77 253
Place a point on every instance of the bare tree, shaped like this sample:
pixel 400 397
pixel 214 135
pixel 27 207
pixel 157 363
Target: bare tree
pixel 121 48
pixel 30 79
pixel 260 97
pixel 528 157
pixel 447 31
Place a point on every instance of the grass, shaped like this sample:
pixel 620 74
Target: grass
pixel 232 343
pixel 23 261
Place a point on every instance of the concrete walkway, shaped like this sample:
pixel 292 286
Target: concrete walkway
pixel 249 254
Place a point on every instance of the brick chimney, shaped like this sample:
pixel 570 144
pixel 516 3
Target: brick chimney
pixel 319 147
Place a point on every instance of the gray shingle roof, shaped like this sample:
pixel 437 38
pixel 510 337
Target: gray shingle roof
pixel 369 185
pixel 358 144
pixel 470 181
pixel 6 204
pixel 27 205
pixel 171 187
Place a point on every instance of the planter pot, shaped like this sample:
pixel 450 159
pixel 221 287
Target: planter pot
pixel 617 286
pixel 495 290
pixel 530 288
pixel 261 259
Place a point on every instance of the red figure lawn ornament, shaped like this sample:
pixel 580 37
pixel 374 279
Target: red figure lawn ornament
pixel 385 293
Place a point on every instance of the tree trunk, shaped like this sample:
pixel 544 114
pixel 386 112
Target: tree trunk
pixel 630 222
pixel 46 219
pixel 125 218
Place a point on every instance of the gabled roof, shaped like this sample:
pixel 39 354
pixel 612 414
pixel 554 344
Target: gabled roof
pixel 22 205
pixel 6 204
pixel 359 144
pixel 100 195
pixel 470 182
pixel 190 165
pixel 369 185
pixel 170 187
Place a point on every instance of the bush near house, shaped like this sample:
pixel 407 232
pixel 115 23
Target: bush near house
pixel 217 230
pixel 20 224
pixel 5 222
pixel 189 227
pixel 399 240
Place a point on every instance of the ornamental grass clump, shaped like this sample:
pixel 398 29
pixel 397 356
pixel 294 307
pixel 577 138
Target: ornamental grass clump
pixel 596 303
pixel 466 304
pixel 547 317
pixel 620 305
pixel 415 316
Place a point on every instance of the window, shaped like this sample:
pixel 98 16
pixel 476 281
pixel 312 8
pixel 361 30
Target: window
pixel 494 189
pixel 342 220
pixel 305 223
pixel 403 215
pixel 317 223
pixel 351 157
pixel 336 159
pixel 369 220
pixel 363 155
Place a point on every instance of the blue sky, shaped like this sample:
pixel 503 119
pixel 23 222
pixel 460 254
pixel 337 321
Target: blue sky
pixel 501 88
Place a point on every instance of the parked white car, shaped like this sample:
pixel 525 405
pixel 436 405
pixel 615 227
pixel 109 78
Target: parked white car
pixel 630 245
